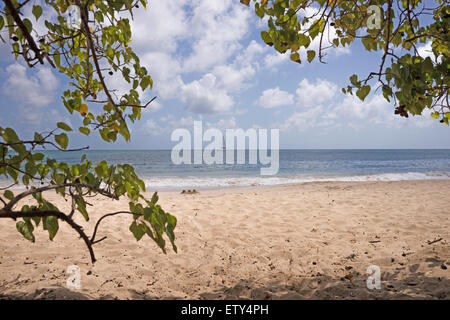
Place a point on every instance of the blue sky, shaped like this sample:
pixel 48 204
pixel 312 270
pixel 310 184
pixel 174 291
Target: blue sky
pixel 208 63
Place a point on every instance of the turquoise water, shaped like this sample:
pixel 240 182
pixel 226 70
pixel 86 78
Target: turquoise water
pixel 157 170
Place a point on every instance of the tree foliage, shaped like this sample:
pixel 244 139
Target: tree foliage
pixel 411 80
pixel 98 44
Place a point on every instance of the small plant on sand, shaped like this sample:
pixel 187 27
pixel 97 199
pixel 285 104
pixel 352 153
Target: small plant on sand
pixel 95 44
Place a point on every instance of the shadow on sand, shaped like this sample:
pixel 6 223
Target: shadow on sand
pixel 415 286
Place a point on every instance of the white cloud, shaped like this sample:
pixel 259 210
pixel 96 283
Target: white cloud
pixel 300 121
pixel 310 94
pixel 275 97
pixel 32 90
pixel 204 96
pixel 160 26
pixel 346 110
pixel 223 124
pixel 426 51
pixel 273 60
pixel 216 27
pixel 165 71
pixel 251 54
pixel 376 110
pixel 153 107
pixel 176 38
pixel 232 78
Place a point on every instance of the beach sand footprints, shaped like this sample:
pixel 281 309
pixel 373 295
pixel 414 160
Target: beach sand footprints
pixel 193 191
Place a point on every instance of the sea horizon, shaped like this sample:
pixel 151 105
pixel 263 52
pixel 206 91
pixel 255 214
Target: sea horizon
pixel 159 173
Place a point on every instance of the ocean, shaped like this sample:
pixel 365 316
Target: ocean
pixel 160 174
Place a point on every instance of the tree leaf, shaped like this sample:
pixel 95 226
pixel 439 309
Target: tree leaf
pixel 363 92
pixel 83 109
pixel 9 194
pixel 37 11
pixel 64 126
pixel 311 54
pixel 137 230
pixel 296 57
pixel 84 130
pixel 62 140
pixel 25 229
pixel 81 206
pixel 51 225
pixel 154 198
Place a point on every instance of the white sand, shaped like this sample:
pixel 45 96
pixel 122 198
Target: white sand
pixel 303 241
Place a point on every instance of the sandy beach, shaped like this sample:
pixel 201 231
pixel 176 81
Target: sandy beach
pixel 305 241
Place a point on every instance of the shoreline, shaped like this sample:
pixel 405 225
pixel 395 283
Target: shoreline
pixel 292 184
pixel 306 241
pixel 243 183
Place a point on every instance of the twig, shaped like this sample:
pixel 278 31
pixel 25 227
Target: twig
pixel 434 241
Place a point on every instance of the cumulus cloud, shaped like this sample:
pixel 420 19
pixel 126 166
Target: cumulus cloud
pixel 426 51
pixel 345 110
pixel 202 41
pixel 223 124
pixel 165 71
pixel 31 90
pixel 233 78
pixel 300 121
pixel 310 94
pixel 204 96
pixel 273 60
pixel 376 110
pixel 160 26
pixel 272 98
pixel 217 27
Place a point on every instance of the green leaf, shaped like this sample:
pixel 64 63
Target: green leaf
pixel 51 224
pixel 354 80
pixel 137 230
pixel 10 135
pixel 28 25
pixel 296 57
pixel 369 43
pixel 363 92
pixel 427 65
pixel 84 130
pixel 81 206
pixel 303 41
pixel 62 140
pixel 57 58
pixel 26 229
pixel 38 137
pixel 171 220
pixel 267 38
pixel 154 198
pixel 145 82
pixel 37 11
pixel 311 54
pixel 64 126
pixel 9 194
pixel 36 220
